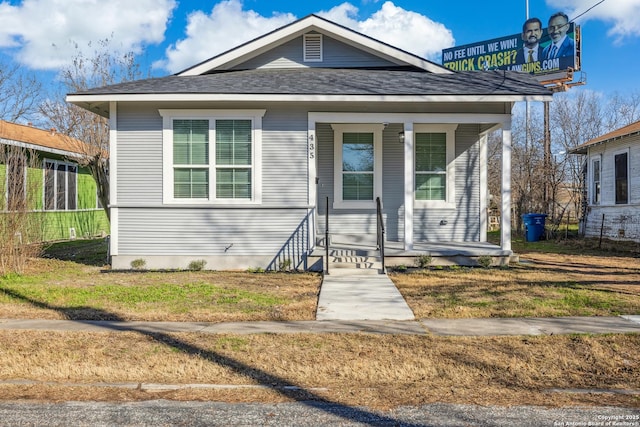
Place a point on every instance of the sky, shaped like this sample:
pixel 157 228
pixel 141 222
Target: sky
pixel 171 35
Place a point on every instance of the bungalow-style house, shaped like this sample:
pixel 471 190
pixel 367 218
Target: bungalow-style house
pixel 40 175
pixel 254 157
pixel 612 182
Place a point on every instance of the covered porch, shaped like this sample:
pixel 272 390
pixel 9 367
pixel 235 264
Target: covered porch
pixel 451 231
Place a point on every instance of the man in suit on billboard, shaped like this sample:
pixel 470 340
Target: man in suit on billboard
pixel 561 45
pixel 531 50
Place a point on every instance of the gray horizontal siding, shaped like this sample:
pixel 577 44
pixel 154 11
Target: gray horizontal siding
pixel 231 232
pixel 285 155
pixel 139 156
pixel 335 54
pixel 393 183
pixel 358 221
pixel 461 224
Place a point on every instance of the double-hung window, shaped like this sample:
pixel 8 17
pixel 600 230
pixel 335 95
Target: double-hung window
pixel 212 156
pixel 191 159
pixel 434 166
pixel 596 171
pixel 621 174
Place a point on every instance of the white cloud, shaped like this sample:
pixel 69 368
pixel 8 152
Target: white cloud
pixel 210 34
pixel 621 14
pixel 408 30
pixel 225 27
pixel 43 34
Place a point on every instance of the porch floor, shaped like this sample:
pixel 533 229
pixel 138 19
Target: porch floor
pixel 473 249
pixel 442 253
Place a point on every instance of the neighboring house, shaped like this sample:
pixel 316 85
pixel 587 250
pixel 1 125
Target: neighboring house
pixel 39 174
pixel 232 161
pixel 612 184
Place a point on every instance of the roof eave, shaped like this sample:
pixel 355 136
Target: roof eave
pixel 42 148
pixel 584 148
pixel 95 101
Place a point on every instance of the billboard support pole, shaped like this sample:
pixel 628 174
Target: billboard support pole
pixel 547 162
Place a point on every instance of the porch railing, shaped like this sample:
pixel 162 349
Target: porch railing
pixel 380 231
pixel 326 237
pixel 293 256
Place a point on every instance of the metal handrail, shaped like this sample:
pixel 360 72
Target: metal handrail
pixel 380 231
pixel 326 237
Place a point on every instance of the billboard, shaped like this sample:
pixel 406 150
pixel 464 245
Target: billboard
pixel 535 50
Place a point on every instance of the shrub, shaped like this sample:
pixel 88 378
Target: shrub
pixel 285 265
pixel 138 264
pixel 423 261
pixel 485 261
pixel 197 265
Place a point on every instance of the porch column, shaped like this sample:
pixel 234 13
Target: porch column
pixel 312 145
pixel 484 187
pixel 505 210
pixel 114 217
pixel 408 186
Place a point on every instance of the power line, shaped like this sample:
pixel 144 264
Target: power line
pixel 599 3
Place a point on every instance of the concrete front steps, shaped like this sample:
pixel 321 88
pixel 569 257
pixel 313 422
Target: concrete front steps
pixel 353 262
pixel 354 254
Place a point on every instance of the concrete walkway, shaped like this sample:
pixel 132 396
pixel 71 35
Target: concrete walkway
pixel 433 327
pixel 348 296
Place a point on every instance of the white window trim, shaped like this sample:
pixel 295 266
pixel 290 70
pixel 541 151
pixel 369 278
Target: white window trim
pixel 591 172
pixel 449 130
pixel 613 170
pixel 212 115
pixel 55 184
pixel 338 131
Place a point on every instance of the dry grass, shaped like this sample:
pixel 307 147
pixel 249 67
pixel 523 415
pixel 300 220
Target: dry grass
pixel 55 289
pixel 544 285
pixel 351 369
pixel 355 369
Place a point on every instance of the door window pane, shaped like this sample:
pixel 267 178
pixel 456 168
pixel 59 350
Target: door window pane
pixel 357 166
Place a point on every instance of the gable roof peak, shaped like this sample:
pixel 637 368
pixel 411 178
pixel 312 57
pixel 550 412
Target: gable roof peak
pixel 312 22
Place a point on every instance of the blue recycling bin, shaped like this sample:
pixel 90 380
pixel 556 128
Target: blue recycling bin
pixel 533 226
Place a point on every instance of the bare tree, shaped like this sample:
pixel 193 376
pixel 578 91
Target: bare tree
pixel 575 118
pixel 104 67
pixel 622 110
pixel 21 224
pixel 20 93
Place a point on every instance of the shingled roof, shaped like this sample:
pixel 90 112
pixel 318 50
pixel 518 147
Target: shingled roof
pixel 45 140
pixel 323 81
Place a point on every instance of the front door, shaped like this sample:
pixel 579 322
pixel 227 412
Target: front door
pixel 357 166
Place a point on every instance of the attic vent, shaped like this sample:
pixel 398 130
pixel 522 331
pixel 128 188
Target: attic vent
pixel 313 47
